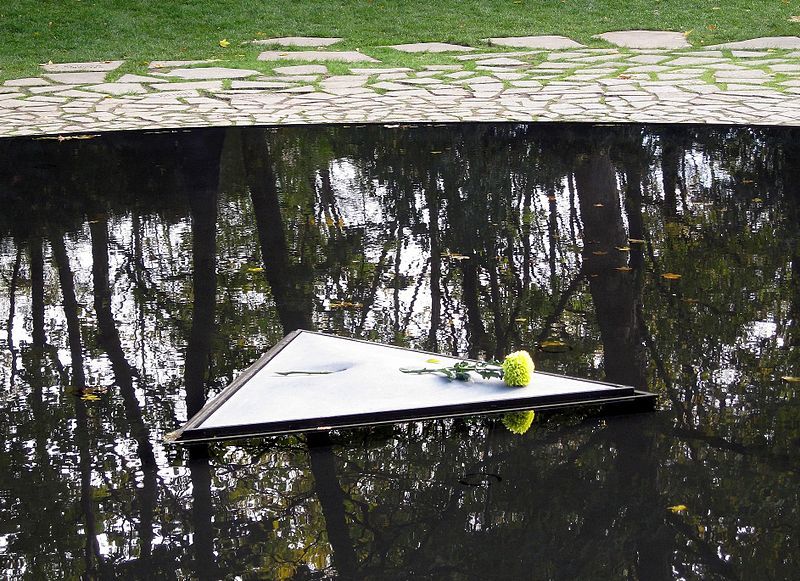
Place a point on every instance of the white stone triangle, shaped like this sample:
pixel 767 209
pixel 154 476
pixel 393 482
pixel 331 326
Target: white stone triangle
pixel 314 381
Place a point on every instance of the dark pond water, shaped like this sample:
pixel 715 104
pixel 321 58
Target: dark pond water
pixel 142 272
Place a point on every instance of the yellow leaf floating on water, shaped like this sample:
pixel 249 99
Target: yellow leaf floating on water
pixel 453 256
pixel 224 43
pixel 671 276
pixel 791 378
pixel 432 360
pixel 623 268
pixel 90 397
pixel 345 305
pixel 255 269
pixel 635 240
pixel 623 248
pixel 678 508
pixel 599 252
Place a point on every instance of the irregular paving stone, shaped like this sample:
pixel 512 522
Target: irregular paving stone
pixel 648 69
pixel 302 70
pixel 389 86
pixel 189 86
pixel 208 73
pixel 491 55
pixel 688 60
pixel 542 42
pixel 316 55
pixel 785 68
pixel 502 62
pixel 138 79
pixel 298 41
pixel 431 47
pixel 49 88
pixel 260 85
pixel 27 82
pixel 790 42
pixel 645 39
pixel 460 74
pixel 596 58
pixel 75 94
pixel 117 88
pixel 289 79
pixel 170 64
pixel 378 71
pixel 509 76
pixel 745 74
pixel 99 66
pixel 77 78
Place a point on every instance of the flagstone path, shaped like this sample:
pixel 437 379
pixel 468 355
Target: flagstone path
pixel 543 78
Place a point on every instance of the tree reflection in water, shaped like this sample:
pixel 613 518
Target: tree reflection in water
pixel 143 272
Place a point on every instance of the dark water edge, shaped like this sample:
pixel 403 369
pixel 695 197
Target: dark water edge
pixel 141 272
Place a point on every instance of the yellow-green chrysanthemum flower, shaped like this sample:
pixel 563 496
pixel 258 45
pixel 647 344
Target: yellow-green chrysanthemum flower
pixel 518 422
pixel 518 369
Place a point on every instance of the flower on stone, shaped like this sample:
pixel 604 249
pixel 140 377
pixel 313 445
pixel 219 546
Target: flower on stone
pixel 517 369
pixel 518 422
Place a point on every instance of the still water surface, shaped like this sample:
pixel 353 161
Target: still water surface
pixel 142 272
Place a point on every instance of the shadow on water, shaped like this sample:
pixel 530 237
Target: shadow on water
pixel 142 272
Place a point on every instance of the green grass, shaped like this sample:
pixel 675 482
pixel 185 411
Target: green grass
pixel 36 31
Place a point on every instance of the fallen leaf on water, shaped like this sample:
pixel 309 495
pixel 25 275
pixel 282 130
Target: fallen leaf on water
pixel 554 346
pixel 746 181
pixel 435 152
pixel 521 320
pixel 623 248
pixel 224 43
pixel 678 508
pixel 635 240
pixel 623 268
pixel 598 205
pixel 453 256
pixel 690 301
pixel 757 200
pixel 599 252
pixel 671 276
pixel 346 305
pixel 791 378
pixel 90 397
pixel 256 269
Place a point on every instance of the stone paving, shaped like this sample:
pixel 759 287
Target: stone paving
pixel 545 78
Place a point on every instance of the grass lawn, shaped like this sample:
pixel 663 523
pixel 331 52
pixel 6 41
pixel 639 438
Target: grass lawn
pixel 36 31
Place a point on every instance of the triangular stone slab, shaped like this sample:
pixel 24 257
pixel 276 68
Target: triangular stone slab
pixel 312 381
